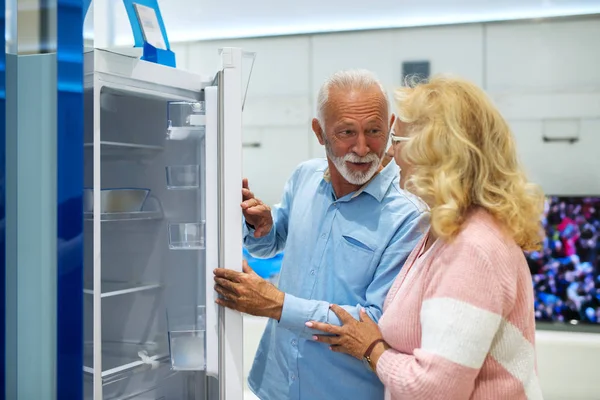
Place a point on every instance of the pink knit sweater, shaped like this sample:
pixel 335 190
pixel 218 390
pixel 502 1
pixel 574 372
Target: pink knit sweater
pixel 460 321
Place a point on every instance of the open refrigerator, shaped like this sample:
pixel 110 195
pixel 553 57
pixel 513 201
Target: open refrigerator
pixel 162 193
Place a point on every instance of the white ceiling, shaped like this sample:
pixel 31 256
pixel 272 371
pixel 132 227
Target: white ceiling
pixel 217 19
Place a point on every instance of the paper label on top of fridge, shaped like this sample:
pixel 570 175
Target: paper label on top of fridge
pixel 150 26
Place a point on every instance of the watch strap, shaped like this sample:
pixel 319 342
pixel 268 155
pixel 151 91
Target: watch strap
pixel 372 346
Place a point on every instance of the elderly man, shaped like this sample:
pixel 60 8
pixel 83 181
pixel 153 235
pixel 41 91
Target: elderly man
pixel 347 229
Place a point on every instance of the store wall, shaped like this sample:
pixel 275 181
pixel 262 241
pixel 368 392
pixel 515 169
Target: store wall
pixel 545 77
pixel 542 74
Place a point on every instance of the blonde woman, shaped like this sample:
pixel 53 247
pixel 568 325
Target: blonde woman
pixel 458 323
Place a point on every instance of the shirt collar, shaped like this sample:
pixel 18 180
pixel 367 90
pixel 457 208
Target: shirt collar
pixel 377 186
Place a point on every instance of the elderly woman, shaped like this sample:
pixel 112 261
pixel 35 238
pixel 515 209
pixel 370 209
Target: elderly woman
pixel 458 323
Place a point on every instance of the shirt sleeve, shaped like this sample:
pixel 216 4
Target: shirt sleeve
pixel 274 242
pixel 297 311
pixel 460 315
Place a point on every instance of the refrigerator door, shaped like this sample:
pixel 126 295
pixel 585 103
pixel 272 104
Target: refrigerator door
pixel 162 182
pixel 224 139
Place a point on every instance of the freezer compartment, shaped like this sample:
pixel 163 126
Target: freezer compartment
pixel 181 177
pixel 186 236
pixel 187 344
pixel 186 120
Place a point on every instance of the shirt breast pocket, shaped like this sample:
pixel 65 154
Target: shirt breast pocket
pixel 355 267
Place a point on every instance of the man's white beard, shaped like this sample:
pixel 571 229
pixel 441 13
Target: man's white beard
pixel 354 177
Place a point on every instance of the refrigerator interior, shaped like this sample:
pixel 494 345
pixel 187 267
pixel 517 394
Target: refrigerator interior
pixel 142 278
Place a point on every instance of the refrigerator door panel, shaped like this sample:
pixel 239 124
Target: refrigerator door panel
pixel 223 134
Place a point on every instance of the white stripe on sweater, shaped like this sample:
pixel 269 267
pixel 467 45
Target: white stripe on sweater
pixel 517 355
pixel 465 334
pixel 457 331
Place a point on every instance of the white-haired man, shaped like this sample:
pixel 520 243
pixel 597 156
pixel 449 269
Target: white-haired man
pixel 347 229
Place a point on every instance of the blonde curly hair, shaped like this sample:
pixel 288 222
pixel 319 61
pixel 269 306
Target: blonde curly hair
pixel 463 155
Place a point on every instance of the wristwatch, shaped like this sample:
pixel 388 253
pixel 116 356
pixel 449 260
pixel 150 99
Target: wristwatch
pixel 367 357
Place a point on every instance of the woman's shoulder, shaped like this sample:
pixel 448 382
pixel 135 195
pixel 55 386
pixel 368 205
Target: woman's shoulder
pixel 482 252
pixel 475 270
pixel 484 234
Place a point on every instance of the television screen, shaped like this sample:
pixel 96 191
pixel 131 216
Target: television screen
pixel 565 273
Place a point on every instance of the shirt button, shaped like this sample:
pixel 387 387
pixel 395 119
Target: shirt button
pixel 294 342
pixel 323 236
pixel 293 377
pixel 312 272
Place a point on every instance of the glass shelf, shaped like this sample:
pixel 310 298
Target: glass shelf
pixel 126 216
pixel 121 359
pixel 113 288
pixel 152 210
pixel 118 150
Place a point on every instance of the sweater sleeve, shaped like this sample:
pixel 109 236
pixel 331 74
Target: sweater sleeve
pixel 461 311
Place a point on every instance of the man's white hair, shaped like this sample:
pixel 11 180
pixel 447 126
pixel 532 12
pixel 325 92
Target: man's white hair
pixel 354 79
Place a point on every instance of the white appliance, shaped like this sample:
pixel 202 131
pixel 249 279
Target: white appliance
pixel 152 329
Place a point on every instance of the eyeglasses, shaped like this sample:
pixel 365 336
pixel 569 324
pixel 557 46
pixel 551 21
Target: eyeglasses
pixel 397 139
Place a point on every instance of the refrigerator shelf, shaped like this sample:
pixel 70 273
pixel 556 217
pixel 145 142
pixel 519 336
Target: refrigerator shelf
pixel 151 210
pixel 126 216
pixel 124 151
pixel 115 288
pixel 144 387
pixel 120 360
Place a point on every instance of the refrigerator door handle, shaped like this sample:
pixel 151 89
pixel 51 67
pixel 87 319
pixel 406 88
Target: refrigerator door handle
pixel 231 355
pixel 212 227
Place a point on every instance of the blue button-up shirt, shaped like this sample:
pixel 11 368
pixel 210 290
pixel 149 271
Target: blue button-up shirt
pixel 345 251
